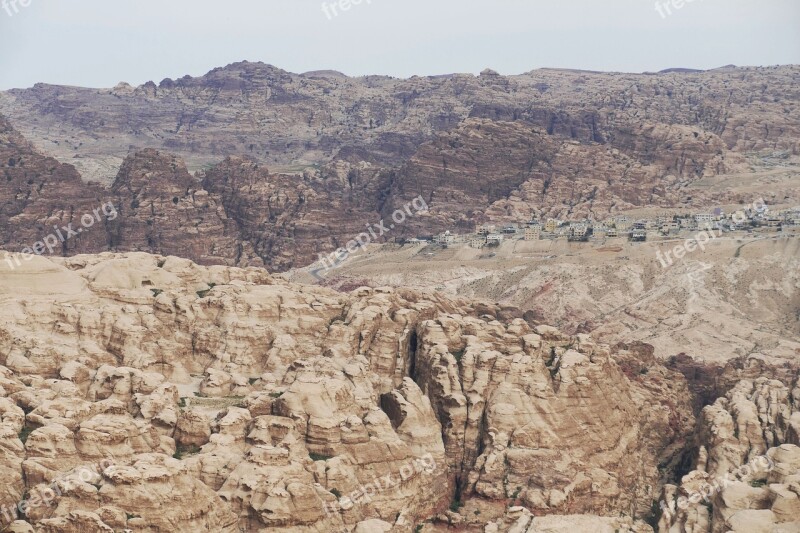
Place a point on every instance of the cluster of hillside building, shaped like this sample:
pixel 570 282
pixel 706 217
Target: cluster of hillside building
pixel 623 226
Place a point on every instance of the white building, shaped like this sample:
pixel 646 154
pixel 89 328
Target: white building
pixel 477 241
pixel 447 238
pixel 494 238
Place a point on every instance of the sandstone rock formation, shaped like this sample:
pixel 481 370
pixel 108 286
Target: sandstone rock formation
pixel 747 466
pixel 344 153
pixel 150 393
pixel 281 118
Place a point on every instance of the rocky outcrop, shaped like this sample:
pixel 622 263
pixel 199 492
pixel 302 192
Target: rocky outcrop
pixel 288 220
pixel 237 214
pixel 502 392
pixel 40 196
pixel 165 210
pixel 153 205
pixel 300 408
pixel 344 153
pixel 150 492
pixel 747 465
pixel 281 118
pixel 520 171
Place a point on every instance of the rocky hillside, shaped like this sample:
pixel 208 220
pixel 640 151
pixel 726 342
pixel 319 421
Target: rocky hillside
pixel 154 204
pixel 149 393
pixel 281 118
pixel 281 167
pixel 740 296
pixel 237 213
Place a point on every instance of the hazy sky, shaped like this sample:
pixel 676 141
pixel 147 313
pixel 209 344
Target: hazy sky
pixel 99 43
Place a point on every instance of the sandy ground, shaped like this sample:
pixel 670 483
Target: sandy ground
pixel 739 296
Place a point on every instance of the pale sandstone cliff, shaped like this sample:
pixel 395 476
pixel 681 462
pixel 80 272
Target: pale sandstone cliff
pixel 228 400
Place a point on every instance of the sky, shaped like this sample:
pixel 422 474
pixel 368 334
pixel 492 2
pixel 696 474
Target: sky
pixel 99 43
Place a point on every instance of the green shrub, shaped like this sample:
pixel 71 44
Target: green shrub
pixel 184 451
pixel 655 514
pixel 23 435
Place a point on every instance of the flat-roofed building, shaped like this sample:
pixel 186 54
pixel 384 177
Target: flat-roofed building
pixel 599 230
pixel 664 219
pixel 447 238
pixel 622 223
pixel 579 231
pixel 532 233
pixel 494 239
pixel 477 241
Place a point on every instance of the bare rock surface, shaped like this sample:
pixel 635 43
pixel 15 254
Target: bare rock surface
pixel 250 165
pixel 151 393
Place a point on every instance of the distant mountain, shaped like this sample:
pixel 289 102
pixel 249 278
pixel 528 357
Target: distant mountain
pixel 680 71
pixel 277 167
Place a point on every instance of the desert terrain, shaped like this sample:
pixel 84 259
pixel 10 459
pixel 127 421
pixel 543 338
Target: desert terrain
pixel 174 362
pixel 740 296
pixel 146 393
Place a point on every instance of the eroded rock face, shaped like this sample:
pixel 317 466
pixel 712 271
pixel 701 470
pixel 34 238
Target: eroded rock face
pixel 148 492
pixel 514 402
pixel 153 205
pixel 290 220
pixel 747 465
pixel 163 209
pixel 280 117
pixel 290 166
pixel 510 171
pixel 520 520
pixel 40 196
pixel 156 394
